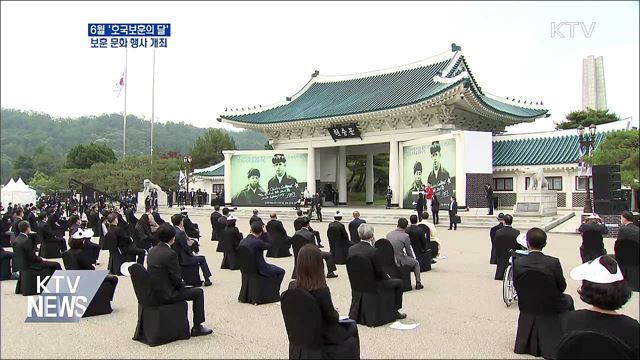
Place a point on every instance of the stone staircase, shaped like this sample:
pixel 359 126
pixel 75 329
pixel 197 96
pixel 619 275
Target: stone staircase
pixel 475 218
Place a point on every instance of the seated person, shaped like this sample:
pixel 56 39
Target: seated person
pixel 401 244
pixel 166 279
pixel 84 258
pixel 365 247
pixel 338 233
pixel 353 226
pixel 123 240
pixel 275 226
pixel 306 233
pixel 505 242
pixel 4 254
pixel 297 225
pixel 593 222
pixel 536 240
pixel 230 242
pixel 190 228
pixel 434 240
pixel 310 277
pixel 46 233
pixel 604 288
pixel 25 250
pixel 143 232
pixel 256 243
pixel 183 246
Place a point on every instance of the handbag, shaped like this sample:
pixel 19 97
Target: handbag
pixel 458 220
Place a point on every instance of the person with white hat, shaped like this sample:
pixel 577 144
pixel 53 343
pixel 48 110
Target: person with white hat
pixel 536 240
pixel 605 289
pixel 338 238
pixel 230 242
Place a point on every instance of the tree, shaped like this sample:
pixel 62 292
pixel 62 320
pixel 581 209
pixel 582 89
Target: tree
pixel 83 156
pixel 208 148
pixel 23 167
pixel 621 147
pixel 586 118
pixel 40 182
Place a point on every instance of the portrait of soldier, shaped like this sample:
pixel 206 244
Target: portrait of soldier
pixel 253 193
pixel 439 177
pixel 416 186
pixel 282 186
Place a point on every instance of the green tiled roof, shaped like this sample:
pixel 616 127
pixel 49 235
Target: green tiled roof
pixel 383 91
pixel 538 151
pixel 217 172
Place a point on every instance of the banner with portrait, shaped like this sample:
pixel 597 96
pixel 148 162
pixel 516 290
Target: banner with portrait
pixel 433 162
pixel 270 179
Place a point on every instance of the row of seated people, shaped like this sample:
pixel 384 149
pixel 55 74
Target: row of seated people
pixel 548 324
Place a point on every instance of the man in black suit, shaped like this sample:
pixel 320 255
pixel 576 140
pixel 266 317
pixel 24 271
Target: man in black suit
pixel 353 226
pixel 184 247
pixel 417 235
pixel 17 218
pixel 166 279
pixel 192 229
pixel 337 231
pixel 488 193
pixel 492 236
pixel 628 234
pixel 306 233
pixel 256 244
pixel 254 217
pixel 453 211
pixel 628 231
pixel 505 241
pixel 24 251
pixel 214 219
pixel 593 222
pixel 275 226
pixel 298 224
pixel 365 247
pixel 536 260
pixel 46 233
pixel 123 240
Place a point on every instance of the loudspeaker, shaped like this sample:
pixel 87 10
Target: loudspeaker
pixel 618 206
pixel 606 182
pixel 602 207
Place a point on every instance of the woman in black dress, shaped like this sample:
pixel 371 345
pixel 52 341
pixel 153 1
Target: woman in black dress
pixel 604 288
pixel 310 277
pixel 435 208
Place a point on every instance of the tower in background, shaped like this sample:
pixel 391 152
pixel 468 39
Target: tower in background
pixel 594 94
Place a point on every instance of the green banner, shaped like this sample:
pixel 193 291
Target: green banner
pixel 275 178
pixel 434 163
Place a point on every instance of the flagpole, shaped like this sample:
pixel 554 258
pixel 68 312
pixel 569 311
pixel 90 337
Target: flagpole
pixel 153 103
pixel 126 82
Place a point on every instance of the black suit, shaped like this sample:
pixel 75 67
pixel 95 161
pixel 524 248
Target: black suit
pixel 186 255
pixel 126 246
pixel 338 232
pixel 328 258
pixel 492 235
pixel 628 232
pixel 384 281
pixel 214 219
pixel 190 228
pixel 353 229
pixel 276 226
pixel 548 265
pixel 14 225
pixel 417 236
pixel 505 241
pixel 254 218
pixel 24 251
pixel 453 211
pixel 46 235
pixel 166 281
pixel 297 225
pixel 257 247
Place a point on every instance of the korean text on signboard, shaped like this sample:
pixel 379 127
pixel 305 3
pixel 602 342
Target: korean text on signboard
pixel 104 36
pixel 346 131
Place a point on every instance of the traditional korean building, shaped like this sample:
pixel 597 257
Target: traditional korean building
pixel 430 116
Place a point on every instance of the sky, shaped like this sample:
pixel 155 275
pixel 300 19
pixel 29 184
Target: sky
pixel 241 54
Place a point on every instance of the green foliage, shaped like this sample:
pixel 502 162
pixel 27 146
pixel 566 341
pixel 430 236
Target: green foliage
pixel 82 156
pixel 208 148
pixel 586 118
pixel 268 146
pixel 621 147
pixel 23 167
pixel 41 182
pixel 20 130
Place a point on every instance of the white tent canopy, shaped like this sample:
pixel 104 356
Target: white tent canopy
pixel 17 192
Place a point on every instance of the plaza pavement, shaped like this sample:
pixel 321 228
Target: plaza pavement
pixel 460 311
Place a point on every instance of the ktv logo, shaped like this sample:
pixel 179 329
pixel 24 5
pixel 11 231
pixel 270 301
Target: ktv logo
pixel 64 296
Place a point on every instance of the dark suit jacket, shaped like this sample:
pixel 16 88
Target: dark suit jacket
pixel 276 226
pixel 338 232
pixel 305 233
pixel 493 231
pixel 297 223
pixel 14 225
pixel 505 241
pixel 257 247
pixel 365 249
pixel 232 238
pixel 254 218
pixel 538 261
pixel 628 232
pixel 416 235
pixel 111 237
pixel 455 208
pixel 157 218
pixel 601 228
pixel 353 229
pixel 45 233
pixel 164 271
pixel 24 253
pixel 123 240
pixel 214 218
pixel 85 262
pixel 182 248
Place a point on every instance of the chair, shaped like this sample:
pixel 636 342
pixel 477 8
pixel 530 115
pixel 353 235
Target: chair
pixel 230 255
pixel 627 257
pixel 157 323
pixel 101 302
pixel 5 269
pixel 339 249
pixel 387 258
pixel 592 245
pixel 539 324
pixel 191 274
pixel 370 305
pixel 304 324
pixel 49 249
pixel 297 242
pixel 593 345
pixel 280 245
pixel 256 289
pixel 27 283
pixel 116 259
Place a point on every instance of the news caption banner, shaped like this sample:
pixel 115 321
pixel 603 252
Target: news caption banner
pixel 65 297
pixel 103 36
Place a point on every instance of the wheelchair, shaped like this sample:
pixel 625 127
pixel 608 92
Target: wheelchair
pixel 509 295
